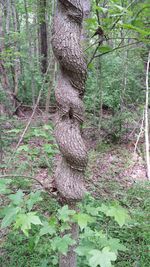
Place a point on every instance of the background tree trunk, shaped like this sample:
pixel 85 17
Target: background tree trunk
pixel 16 58
pixel 147 146
pixel 43 35
pixel 69 176
pixel 31 64
pixel 3 73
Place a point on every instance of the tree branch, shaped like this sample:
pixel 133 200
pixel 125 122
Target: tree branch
pixel 116 48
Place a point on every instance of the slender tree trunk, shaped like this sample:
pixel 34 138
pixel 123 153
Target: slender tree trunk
pixel 30 53
pixel 8 16
pixel 3 73
pixel 146 121
pixel 52 62
pixel 51 84
pixel 43 35
pixel 16 58
pixel 69 176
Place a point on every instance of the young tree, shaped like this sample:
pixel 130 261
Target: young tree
pixel 43 35
pixel 69 176
pixel 3 73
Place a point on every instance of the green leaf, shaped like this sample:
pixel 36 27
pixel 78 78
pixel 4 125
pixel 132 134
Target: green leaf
pixel 17 198
pixel 101 258
pixel 47 229
pixel 14 131
pixel 105 48
pixel 23 148
pixel 49 149
pixel 33 199
pixel 62 243
pixel 114 245
pixel 83 219
pixel 83 250
pixel 120 214
pixel 103 9
pixel 10 216
pixel 24 221
pixel 64 213
pixel 3 186
pixel 92 210
pixel 139 30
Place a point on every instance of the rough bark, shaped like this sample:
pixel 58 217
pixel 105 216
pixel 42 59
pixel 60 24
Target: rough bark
pixel 69 176
pixel 69 91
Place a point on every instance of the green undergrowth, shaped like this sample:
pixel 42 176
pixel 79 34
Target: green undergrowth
pixel 108 229
pixel 114 223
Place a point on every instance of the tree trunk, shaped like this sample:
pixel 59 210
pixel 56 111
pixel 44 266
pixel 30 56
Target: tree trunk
pixel 30 53
pixel 43 35
pixel 147 146
pixel 16 58
pixel 8 16
pixel 69 176
pixel 51 84
pixel 4 78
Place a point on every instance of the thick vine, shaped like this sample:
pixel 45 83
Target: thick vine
pixel 66 37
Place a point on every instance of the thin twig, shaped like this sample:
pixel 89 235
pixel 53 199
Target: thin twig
pixel 116 21
pixel 116 48
pixel 140 133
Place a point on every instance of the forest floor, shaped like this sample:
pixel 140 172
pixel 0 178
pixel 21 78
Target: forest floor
pixel 115 171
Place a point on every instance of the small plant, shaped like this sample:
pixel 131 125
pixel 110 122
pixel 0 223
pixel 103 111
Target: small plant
pixel 95 248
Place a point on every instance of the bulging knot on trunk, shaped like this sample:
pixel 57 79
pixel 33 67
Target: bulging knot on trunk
pixel 66 37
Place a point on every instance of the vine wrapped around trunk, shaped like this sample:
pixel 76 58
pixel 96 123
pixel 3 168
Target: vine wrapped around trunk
pixel 66 36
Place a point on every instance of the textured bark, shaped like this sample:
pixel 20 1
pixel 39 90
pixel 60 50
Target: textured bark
pixel 66 37
pixel 69 176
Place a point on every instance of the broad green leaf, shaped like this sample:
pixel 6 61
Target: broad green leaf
pixel 33 199
pixel 24 221
pixel 101 258
pixel 83 219
pixel 92 210
pixel 62 243
pixel 17 198
pixel 139 30
pixel 115 245
pixel 99 8
pixel 47 229
pixel 83 250
pixel 10 216
pixel 105 48
pixel 64 213
pixel 120 214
